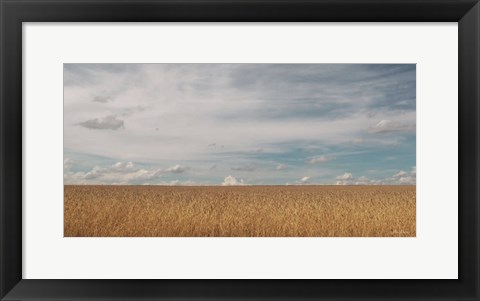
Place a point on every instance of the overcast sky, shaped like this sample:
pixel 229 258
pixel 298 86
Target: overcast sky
pixel 234 124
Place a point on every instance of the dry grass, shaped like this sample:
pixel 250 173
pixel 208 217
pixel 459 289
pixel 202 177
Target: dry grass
pixel 249 211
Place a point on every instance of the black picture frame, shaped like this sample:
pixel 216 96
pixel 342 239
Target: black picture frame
pixel 14 12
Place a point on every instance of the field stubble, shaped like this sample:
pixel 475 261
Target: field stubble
pixel 240 211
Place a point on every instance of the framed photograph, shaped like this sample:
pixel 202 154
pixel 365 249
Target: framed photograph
pixel 239 150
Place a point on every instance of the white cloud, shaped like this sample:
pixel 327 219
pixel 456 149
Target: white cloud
pixel 232 181
pixel 304 180
pixel 139 175
pixel 388 126
pixel 178 182
pixel 67 163
pixel 122 166
pixel 407 180
pixel 94 173
pixel 345 179
pixel 281 166
pixel 401 173
pixel 172 183
pixel 177 169
pixel 118 173
pixel 403 177
pixel 320 159
pixel 399 178
pixel 345 176
pixel 363 181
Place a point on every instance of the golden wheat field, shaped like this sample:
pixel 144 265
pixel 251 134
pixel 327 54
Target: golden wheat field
pixel 246 211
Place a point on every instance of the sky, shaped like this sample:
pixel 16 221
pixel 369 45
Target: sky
pixel 240 124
